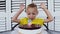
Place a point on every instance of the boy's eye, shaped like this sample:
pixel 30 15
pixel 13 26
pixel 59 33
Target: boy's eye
pixel 33 13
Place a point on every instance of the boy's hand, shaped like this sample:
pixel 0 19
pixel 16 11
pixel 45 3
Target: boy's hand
pixel 22 7
pixel 43 5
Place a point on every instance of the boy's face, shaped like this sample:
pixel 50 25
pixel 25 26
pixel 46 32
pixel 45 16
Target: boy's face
pixel 32 13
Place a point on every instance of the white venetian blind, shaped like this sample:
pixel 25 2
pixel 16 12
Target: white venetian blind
pixel 57 16
pixel 15 5
pixel 2 15
pixel 5 20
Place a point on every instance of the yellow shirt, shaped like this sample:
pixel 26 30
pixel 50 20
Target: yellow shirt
pixel 39 21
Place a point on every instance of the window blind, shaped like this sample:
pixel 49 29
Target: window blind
pixel 2 17
pixel 15 5
pixel 57 16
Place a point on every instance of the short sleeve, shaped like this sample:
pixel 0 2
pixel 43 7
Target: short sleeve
pixel 39 21
pixel 23 21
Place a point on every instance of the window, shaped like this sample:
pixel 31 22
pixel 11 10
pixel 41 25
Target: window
pixel 57 16
pixel 2 15
pixel 15 5
pixel 5 20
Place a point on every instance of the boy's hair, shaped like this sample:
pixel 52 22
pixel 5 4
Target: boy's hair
pixel 32 5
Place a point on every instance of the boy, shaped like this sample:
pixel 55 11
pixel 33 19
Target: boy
pixel 32 12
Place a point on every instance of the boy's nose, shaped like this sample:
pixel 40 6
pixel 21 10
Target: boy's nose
pixel 31 15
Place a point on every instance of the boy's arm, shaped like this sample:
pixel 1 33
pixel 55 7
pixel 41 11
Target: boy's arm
pixel 14 18
pixel 50 18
